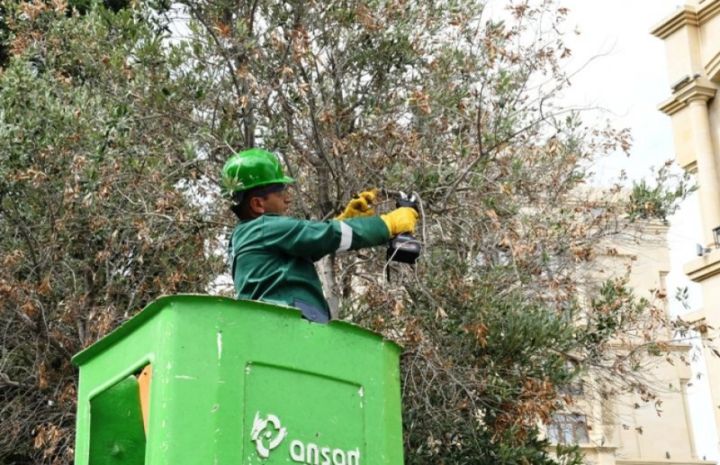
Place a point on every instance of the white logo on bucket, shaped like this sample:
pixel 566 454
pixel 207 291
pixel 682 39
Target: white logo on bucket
pixel 315 455
pixel 300 452
pixel 263 436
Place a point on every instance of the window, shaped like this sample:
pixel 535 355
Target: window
pixel 575 387
pixel 568 428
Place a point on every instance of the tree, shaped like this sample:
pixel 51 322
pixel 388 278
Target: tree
pixel 96 214
pixel 114 128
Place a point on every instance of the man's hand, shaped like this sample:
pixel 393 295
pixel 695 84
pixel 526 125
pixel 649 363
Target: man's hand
pixel 360 206
pixel 401 220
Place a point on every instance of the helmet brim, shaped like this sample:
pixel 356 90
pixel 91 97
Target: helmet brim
pixel 283 180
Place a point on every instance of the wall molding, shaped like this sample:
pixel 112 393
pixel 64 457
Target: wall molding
pixel 712 68
pixel 687 16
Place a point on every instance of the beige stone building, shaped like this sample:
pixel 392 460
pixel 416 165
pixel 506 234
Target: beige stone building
pixel 626 429
pixel 692 40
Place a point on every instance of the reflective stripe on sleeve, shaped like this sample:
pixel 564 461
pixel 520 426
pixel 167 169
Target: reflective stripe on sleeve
pixel 346 234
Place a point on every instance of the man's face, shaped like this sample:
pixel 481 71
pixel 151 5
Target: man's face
pixel 276 202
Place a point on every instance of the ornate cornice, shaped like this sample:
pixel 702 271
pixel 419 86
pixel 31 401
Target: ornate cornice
pixel 712 68
pixel 696 91
pixel 665 462
pixel 672 106
pixel 685 16
pixel 691 167
pixel 653 229
pixel 693 89
pixel 708 11
pixel 704 267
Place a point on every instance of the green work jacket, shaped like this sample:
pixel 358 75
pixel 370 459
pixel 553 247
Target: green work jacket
pixel 272 257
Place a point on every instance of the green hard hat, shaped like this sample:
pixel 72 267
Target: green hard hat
pixel 252 168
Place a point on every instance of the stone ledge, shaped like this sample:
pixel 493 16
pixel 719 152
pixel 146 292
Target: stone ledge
pixel 685 16
pixel 712 68
pixel 704 267
pixel 665 462
pixel 694 88
pixel 708 11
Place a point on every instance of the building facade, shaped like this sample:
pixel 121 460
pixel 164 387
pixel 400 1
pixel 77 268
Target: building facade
pixel 612 426
pixel 626 429
pixel 692 41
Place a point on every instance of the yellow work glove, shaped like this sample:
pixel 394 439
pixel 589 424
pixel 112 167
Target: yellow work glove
pixel 400 220
pixel 360 206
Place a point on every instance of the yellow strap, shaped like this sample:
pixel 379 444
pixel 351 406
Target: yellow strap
pixel 144 379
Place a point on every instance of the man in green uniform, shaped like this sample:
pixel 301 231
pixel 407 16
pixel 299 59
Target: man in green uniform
pixel 273 254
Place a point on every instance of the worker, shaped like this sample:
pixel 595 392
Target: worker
pixel 273 254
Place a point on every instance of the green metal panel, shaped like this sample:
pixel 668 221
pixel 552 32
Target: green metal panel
pixel 116 426
pixel 241 382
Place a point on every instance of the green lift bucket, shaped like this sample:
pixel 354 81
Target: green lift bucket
pixel 237 383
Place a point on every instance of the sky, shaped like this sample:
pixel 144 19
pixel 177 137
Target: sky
pixel 629 79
